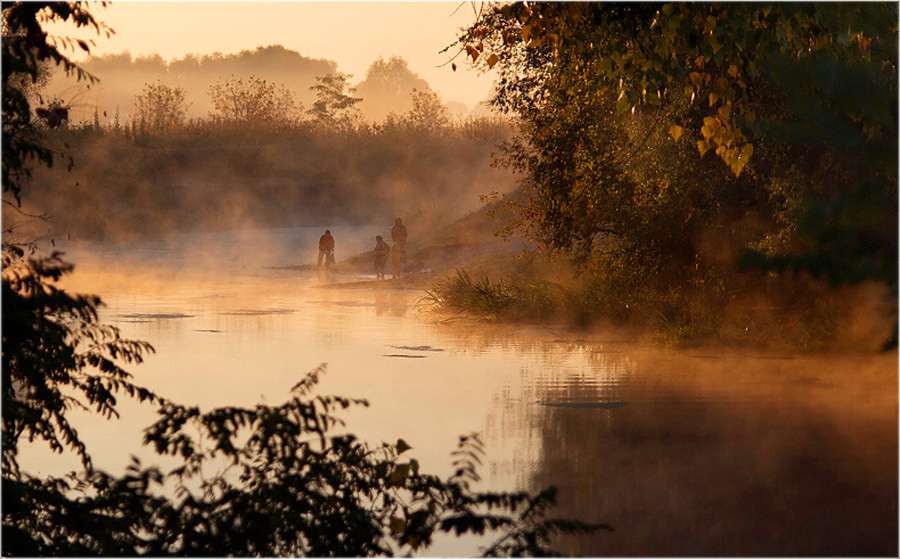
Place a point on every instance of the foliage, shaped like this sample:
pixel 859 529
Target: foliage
pixel 428 113
pixel 270 177
pixel 274 481
pixel 159 107
pixel 335 106
pixel 27 52
pixel 253 103
pixel 56 356
pixel 726 54
pixel 620 103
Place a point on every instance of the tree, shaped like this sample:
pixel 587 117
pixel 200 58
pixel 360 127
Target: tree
pixel 387 87
pixel 427 113
pixel 335 107
pixel 160 108
pixel 254 103
pixel 26 54
pixel 799 101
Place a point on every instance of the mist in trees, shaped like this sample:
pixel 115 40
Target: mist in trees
pixel 335 106
pixel 160 108
pixel 252 103
pixel 123 76
pixel 386 88
pixel 682 149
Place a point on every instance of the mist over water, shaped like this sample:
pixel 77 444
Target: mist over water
pixel 684 453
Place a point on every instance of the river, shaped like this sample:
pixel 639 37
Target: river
pixel 682 452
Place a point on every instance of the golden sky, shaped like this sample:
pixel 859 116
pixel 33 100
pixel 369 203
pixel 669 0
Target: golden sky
pixel 353 34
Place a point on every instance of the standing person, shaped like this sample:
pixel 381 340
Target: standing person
pixel 396 260
pixel 398 235
pixel 326 249
pixel 381 255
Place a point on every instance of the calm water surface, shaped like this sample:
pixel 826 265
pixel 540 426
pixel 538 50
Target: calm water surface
pixel 684 453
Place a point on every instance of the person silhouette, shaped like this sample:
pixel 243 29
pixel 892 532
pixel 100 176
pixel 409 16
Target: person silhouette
pixel 326 249
pixel 381 255
pixel 398 251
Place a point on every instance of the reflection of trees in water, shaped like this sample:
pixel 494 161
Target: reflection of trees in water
pixel 706 459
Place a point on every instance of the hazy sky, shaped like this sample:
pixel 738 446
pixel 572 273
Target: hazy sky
pixel 353 34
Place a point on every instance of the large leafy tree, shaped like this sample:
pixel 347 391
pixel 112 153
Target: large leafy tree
pixel 624 105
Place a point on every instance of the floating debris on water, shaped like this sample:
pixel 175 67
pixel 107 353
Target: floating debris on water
pixel 258 312
pixel 406 356
pixel 416 348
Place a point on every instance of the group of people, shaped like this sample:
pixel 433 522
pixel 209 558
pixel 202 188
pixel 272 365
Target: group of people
pixel 396 251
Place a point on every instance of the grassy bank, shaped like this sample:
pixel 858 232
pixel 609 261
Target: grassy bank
pixel 786 313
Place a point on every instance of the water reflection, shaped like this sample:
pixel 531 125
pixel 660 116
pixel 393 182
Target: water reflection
pixel 395 303
pixel 729 456
pixel 685 454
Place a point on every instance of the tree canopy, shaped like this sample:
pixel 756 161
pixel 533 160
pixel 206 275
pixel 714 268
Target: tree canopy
pixel 621 103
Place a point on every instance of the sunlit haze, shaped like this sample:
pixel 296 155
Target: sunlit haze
pixel 353 34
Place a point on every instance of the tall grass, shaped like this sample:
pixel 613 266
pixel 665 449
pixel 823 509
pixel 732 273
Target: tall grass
pixel 491 299
pixel 703 311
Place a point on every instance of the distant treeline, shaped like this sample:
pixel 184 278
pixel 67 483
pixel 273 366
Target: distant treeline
pixel 215 174
pixel 384 88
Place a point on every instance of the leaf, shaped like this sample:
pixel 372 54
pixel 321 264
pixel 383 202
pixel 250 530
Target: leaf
pixel 710 126
pixel 473 52
pixel 752 70
pixel 696 79
pixel 526 32
pixel 400 474
pixel 397 525
pixel 724 113
pixel 402 446
pixel 492 60
pixel 381 469
pixel 703 146
pixel 675 131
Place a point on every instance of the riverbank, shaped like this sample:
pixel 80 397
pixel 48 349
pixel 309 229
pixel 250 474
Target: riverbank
pixel 467 273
